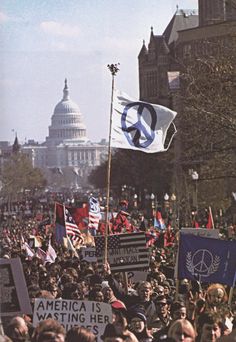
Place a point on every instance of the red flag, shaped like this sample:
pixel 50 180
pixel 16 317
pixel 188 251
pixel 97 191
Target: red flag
pixel 195 224
pixel 80 214
pixel 209 222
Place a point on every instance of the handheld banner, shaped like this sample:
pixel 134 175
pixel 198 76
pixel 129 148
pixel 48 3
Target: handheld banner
pixel 14 298
pixel 91 315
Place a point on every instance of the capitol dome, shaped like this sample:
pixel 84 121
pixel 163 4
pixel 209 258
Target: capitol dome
pixel 67 122
pixel 66 105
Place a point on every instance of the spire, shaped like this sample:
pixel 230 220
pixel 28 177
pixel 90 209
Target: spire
pixel 16 146
pixel 65 91
pixel 151 30
pixel 143 50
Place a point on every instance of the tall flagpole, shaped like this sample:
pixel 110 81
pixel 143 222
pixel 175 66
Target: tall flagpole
pixel 113 69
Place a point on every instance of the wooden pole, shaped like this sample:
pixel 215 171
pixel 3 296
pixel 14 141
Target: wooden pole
pixel 210 212
pixel 230 295
pixel 126 286
pixel 113 69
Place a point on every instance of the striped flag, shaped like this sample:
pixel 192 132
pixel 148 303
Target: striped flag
pixel 159 222
pixel 60 229
pixel 126 252
pixel 72 230
pixel 94 213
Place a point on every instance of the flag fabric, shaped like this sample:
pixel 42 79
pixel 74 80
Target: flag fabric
pixel 60 228
pixel 72 230
pixel 209 222
pixel 123 243
pixel 206 259
pixel 139 125
pixel 94 213
pixel 159 222
pixel 41 254
pixel 28 250
pixel 80 214
pixel 66 222
pixel 151 237
pixel 71 247
pixel 51 253
pixel 195 224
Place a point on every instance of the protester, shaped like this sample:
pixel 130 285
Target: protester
pixel 161 319
pixel 142 300
pixel 216 296
pixel 120 324
pixel 49 330
pixel 209 327
pixel 138 325
pixel 80 334
pixel 144 311
pixel 182 330
pixel 17 330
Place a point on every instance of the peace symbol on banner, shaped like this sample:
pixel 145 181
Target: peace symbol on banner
pixel 137 134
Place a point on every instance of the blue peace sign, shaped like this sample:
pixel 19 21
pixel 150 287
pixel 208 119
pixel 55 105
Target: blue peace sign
pixel 138 127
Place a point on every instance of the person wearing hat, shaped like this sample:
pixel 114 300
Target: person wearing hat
pixel 161 319
pixel 110 298
pixel 138 325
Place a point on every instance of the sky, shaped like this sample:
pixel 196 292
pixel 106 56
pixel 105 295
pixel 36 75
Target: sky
pixel 42 42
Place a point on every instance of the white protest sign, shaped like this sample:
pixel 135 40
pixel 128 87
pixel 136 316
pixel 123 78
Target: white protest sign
pixel 91 315
pixel 136 276
pixel 14 298
pixel 203 232
pixel 89 254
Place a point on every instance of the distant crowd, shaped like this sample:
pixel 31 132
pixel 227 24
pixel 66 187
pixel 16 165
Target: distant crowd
pixel 157 308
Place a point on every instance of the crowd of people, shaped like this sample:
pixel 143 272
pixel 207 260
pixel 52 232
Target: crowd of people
pixel 159 308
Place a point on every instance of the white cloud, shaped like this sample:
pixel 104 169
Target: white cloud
pixel 3 18
pixel 59 29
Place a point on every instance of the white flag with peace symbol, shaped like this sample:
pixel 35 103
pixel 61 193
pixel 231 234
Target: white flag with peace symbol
pixel 139 125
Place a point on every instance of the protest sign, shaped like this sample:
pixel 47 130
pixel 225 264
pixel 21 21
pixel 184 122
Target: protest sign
pixel 208 260
pixel 89 254
pixel 136 276
pixel 14 298
pixel 91 315
pixel 203 232
pixel 126 252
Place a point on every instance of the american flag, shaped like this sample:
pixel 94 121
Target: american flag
pixel 72 230
pixel 126 252
pixel 94 213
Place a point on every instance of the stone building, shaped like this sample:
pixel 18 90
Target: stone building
pixel 67 156
pixel 190 34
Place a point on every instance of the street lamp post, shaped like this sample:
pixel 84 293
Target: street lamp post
pixel 166 201
pixel 173 204
pixel 153 204
pixel 135 200
pixel 195 178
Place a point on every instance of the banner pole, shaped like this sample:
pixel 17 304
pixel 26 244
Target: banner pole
pixel 113 69
pixel 213 226
pixel 230 295
pixel 126 285
pixel 176 270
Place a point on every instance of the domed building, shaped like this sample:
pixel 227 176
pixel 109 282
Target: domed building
pixel 67 122
pixel 67 156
